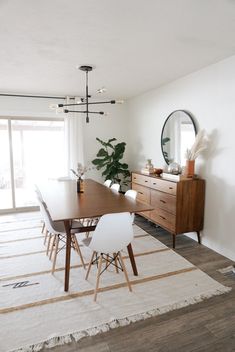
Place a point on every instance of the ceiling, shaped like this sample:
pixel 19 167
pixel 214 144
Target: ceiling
pixel 134 45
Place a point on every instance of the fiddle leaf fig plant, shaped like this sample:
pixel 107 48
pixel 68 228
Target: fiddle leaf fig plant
pixel 109 159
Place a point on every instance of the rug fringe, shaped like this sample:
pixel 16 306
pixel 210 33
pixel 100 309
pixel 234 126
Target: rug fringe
pixel 115 323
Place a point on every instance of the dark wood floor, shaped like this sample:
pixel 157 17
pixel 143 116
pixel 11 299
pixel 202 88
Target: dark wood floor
pixel 207 326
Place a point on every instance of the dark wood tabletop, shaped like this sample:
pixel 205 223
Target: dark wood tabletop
pixel 64 203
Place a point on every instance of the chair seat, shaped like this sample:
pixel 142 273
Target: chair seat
pixel 59 227
pixel 87 241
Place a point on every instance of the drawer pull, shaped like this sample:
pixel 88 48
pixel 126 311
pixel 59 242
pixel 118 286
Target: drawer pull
pixel 146 181
pixel 170 187
pixel 140 192
pixel 162 217
pixel 162 201
pixel 154 183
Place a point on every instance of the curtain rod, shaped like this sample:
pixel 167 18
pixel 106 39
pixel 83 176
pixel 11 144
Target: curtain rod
pixel 32 96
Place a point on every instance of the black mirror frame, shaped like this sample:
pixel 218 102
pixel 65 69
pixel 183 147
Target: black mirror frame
pixel 191 118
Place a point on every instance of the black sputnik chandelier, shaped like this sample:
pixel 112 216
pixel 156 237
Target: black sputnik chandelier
pixel 85 101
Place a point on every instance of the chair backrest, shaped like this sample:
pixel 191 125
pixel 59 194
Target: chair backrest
pixel 38 193
pixel 107 183
pixel 131 193
pixel 113 233
pixel 50 225
pixel 115 187
pixel 46 216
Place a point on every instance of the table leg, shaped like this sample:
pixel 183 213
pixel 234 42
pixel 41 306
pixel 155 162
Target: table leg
pixel 67 255
pixel 132 259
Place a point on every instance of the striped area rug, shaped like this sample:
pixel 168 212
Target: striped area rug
pixel 35 312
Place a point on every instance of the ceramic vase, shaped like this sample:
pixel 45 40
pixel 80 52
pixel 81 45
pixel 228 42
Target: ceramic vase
pixel 80 185
pixel 189 168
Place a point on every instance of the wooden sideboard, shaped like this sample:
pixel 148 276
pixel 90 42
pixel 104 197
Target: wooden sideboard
pixel 178 206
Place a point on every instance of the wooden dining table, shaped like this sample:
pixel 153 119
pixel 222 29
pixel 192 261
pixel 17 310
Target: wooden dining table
pixel 65 204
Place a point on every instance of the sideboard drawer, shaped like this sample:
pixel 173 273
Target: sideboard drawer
pixel 141 179
pixel 163 201
pixel 143 193
pixel 163 218
pixel 164 186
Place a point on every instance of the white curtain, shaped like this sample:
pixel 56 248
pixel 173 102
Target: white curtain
pixel 73 138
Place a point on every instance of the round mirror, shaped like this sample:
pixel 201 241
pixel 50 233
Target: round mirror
pixel 178 134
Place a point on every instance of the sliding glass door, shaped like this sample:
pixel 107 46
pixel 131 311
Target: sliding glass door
pixel 30 151
pixel 5 168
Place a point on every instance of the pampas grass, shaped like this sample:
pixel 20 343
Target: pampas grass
pixel 200 144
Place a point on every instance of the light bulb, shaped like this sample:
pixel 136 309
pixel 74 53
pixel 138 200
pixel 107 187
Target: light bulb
pixel 59 110
pixel 102 90
pixel 53 106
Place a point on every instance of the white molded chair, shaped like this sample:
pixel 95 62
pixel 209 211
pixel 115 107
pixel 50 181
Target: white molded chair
pixel 115 187
pixel 131 193
pixel 113 233
pixel 107 183
pixel 40 199
pixel 57 232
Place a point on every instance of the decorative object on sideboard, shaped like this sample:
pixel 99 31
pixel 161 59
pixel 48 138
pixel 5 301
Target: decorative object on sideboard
pixel 174 168
pixel 149 168
pixel 200 144
pixel 85 102
pixel 158 171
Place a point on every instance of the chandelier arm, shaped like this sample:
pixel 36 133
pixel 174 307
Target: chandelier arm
pixel 81 111
pixel 84 112
pixel 89 103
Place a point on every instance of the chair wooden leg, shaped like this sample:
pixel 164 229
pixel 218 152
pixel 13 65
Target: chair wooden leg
pixel 43 227
pixel 45 238
pixel 116 262
pixel 107 260
pixel 52 246
pixel 89 222
pixel 89 266
pixel 55 253
pixel 77 247
pixel 98 277
pixel 125 272
pixel 49 242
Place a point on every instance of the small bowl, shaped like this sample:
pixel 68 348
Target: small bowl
pixel 158 171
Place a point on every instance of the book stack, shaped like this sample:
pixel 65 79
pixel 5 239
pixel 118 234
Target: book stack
pixel 147 171
pixel 176 178
pixel 171 177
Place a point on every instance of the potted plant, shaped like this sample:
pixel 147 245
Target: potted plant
pixel 109 159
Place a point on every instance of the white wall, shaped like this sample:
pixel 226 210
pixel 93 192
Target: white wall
pixel 209 95
pixel 112 126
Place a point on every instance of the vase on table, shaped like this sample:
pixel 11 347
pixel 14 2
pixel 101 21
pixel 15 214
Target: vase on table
pixel 80 185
